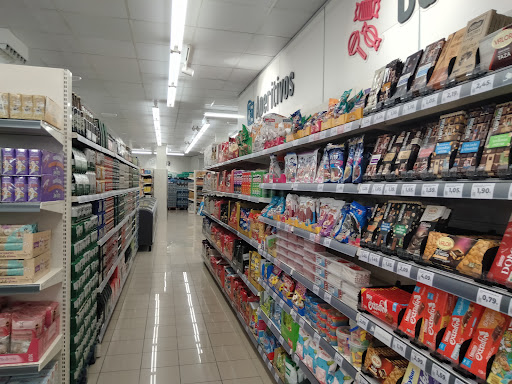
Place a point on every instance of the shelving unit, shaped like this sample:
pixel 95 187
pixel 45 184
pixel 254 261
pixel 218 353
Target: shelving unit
pixel 195 195
pixel 239 196
pixel 147 182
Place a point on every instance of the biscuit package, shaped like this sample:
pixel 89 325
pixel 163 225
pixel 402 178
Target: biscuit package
pixel 373 98
pixel 496 50
pixel 406 222
pixel 391 75
pixel 388 162
pixel 501 370
pixel 485 342
pixel 385 303
pixel 379 210
pixel 386 365
pixel 461 327
pixel 409 70
pixel 414 312
pixel 422 163
pixel 407 155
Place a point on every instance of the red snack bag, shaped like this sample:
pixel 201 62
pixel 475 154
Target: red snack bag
pixel 385 303
pixel 439 308
pixel 485 342
pixel 462 325
pixel 501 270
pixel 414 311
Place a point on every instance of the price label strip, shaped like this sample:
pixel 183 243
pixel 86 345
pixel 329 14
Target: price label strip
pixel 489 299
pixel 379 117
pixel 484 191
pixel 327 241
pixel 404 269
pixel 388 264
pixel 451 94
pixel 383 336
pixel 320 188
pixel 362 322
pixel 363 255
pixel 429 190
pixel 392 113
pixel 338 359
pixel 374 259
pixel 425 277
pixel 408 189
pixel 340 188
pixel 484 84
pixel 440 374
pixel 377 189
pixel 367 121
pixel 409 108
pixel 399 346
pixel 418 359
pixel 453 190
pixel 364 189
pixel 429 101
pixel 390 189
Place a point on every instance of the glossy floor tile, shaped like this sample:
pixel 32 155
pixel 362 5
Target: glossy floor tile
pixel 172 324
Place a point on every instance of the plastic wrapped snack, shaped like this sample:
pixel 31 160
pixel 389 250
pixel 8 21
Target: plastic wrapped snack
pixel 275 171
pixel 379 151
pixel 290 167
pixel 307 164
pixel 348 172
pixel 360 161
pixel 336 162
pixel 323 174
pixel 355 220
pixel 292 206
pixel 332 218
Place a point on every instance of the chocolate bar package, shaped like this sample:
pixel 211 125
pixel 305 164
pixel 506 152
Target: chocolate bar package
pixel 388 162
pixel 388 221
pixel 385 303
pixel 404 162
pixel 408 73
pixel 501 370
pixel 391 75
pixel 434 218
pixel 428 61
pixel 451 128
pixel 485 342
pixel 472 142
pixel 378 154
pixel 496 50
pixel 415 311
pixel 496 154
pixel 385 365
pixel 450 51
pixel 373 97
pixel 408 219
pixel 439 307
pixel 370 235
pixel 422 163
pixel 461 327
pixel 501 271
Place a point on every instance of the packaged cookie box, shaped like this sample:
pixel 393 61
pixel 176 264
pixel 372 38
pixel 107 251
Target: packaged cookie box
pixel 25 270
pixel 385 303
pixel 34 244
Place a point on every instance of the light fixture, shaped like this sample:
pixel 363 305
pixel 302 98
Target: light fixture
pixel 156 123
pixel 205 126
pixel 174 67
pixel 171 96
pixel 175 153
pixel 223 115
pixel 12 49
pixel 178 16
pixel 142 152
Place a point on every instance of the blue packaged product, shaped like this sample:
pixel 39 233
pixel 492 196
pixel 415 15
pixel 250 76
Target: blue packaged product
pixel 354 221
pixel 347 174
pixel 336 162
pixel 360 162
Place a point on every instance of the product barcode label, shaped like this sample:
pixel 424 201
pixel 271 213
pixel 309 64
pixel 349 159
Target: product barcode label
pixel 429 101
pixel 408 189
pixel 388 264
pixel 404 269
pixel 453 190
pixel 409 108
pixel 483 191
pixel 399 346
pixel 379 117
pixel 482 85
pixel 418 359
pixel 383 336
pixel 451 94
pixel 377 189
pixel 489 299
pixel 392 113
pixel 340 188
pixel 374 259
pixel 362 322
pixel 320 188
pixel 390 189
pixel 440 374
pixel 425 277
pixel 363 255
pixel 429 190
pixel 364 189
pixel 367 121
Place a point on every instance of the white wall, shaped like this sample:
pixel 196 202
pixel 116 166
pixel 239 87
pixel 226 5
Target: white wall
pixel 319 55
pixel 178 164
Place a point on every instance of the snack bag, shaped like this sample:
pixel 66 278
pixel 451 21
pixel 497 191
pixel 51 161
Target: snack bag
pixel 292 206
pixel 290 167
pixel 307 165
pixel 333 216
pixel 336 162
pixel 323 174
pixel 391 75
pixel 347 174
pixel 409 71
pixel 354 222
pixel 385 365
pixel 407 221
pixel 360 161
pixel 408 153
pixel 422 163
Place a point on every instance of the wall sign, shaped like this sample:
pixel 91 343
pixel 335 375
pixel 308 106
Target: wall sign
pixel 366 10
pixel 405 14
pixel 279 91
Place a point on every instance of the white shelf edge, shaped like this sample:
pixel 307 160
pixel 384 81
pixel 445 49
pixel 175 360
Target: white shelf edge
pixel 110 233
pixel 53 277
pixel 105 195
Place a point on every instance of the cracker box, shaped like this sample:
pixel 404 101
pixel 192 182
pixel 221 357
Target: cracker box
pixel 385 303
pixel 439 307
pixel 415 310
pixel 485 342
pixel 501 370
pixel 461 327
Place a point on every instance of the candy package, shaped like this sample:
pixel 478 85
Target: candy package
pixel 332 217
pixel 379 151
pixel 323 208
pixel 265 212
pixel 290 167
pixel 408 73
pixel 307 210
pixel 347 174
pixel 336 162
pixel 275 171
pixel 426 65
pixel 292 206
pixel 296 121
pixel 360 161
pixel 373 98
pixel 408 153
pixel 307 165
pixel 353 224
pixel 323 174
pixel 340 108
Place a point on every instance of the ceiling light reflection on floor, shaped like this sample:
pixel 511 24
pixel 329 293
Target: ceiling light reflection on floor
pixel 193 315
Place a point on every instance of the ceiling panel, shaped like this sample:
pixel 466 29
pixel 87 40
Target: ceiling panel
pixel 51 21
pixel 266 45
pixel 152 51
pixel 117 69
pixel 254 62
pixel 156 10
pixel 243 75
pixel 211 72
pixel 52 42
pixel 223 41
pixel 110 8
pixel 150 32
pixel 310 6
pixel 215 58
pixel 216 14
pixel 284 22
pixel 104 47
pixel 98 26
pixel 154 67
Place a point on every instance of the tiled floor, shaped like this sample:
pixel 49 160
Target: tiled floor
pixel 172 324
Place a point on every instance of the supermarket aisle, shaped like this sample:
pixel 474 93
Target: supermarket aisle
pixel 173 325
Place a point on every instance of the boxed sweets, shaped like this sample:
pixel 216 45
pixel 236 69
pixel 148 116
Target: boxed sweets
pixel 391 76
pixel 472 142
pixel 378 213
pixel 385 303
pixel 408 72
pixel 495 50
pixel 388 163
pixel 407 155
pixel 501 370
pixel 373 97
pixel 485 342
pixel 428 145
pixel 386 365
pixel 407 221
pixel 460 329
pixel 388 221
pixel 378 154
pixel 426 65
pixel 414 312
pixel 496 156
pixel 450 52
pixel 501 271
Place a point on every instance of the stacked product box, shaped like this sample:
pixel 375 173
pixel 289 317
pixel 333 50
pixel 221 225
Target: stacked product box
pixel 84 172
pixel 31 175
pixel 84 282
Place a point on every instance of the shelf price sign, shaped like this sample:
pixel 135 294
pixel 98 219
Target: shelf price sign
pixel 409 108
pixel 429 101
pixel 425 277
pixel 379 117
pixel 440 374
pixel 484 84
pixel 453 190
pixel 451 94
pixel 429 190
pixel 489 299
pixel 408 189
pixel 484 191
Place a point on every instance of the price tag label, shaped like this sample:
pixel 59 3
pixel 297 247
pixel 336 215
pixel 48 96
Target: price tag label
pixel 296 359
pixel 260 349
pixel 482 85
pixel 408 189
pixel 440 374
pixel 327 241
pixel 316 338
pixel 510 308
pixel 281 340
pixel 364 189
pixel 295 143
pixel 404 269
pixel 367 121
pixel 510 192
pixel 340 188
pixel 451 94
pixel 425 277
pixel 374 259
pixel 327 298
pixel 295 186
pixel 281 303
pixel 311 138
pixel 388 264
pixel 377 189
pixel 489 299
pixel 301 322
pixel 409 108
pixel 390 189
pixel 383 336
pixel 260 249
pixel 276 377
pixel 453 190
pixel 392 113
pixel 349 126
pixel 293 314
pixel 320 188
pixel 429 101
pixel 269 366
pixel 338 359
pixel 312 237
pixel 399 346
pixel 483 191
pixel 323 135
pixel 339 130
pixel 379 117
pixel 418 359
pixel 429 190
pixel 360 379
pixel 362 322
pixel 364 255
pixel 316 289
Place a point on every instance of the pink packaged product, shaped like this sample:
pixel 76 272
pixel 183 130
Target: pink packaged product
pixel 26 325
pixel 7 189
pixel 314 247
pixel 8 161
pixel 5 332
pixel 335 291
pixel 21 161
pixel 20 189
pixel 34 162
pixel 33 189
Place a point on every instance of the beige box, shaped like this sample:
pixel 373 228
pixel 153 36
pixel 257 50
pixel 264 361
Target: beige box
pixel 47 110
pixel 34 244
pixel 33 270
pixel 15 106
pixel 4 105
pixel 27 107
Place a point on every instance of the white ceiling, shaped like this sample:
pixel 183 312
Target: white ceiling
pixel 120 49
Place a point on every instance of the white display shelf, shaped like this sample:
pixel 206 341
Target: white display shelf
pixel 99 148
pixel 35 367
pixel 100 196
pixel 109 234
pixel 253 199
pixel 105 281
pixel 48 206
pixel 54 276
pixel 31 127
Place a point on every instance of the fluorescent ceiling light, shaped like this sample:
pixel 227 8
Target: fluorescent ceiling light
pixel 171 96
pixel 178 16
pixel 198 136
pixel 174 68
pixel 223 115
pixel 156 122
pixel 142 151
pixel 175 153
